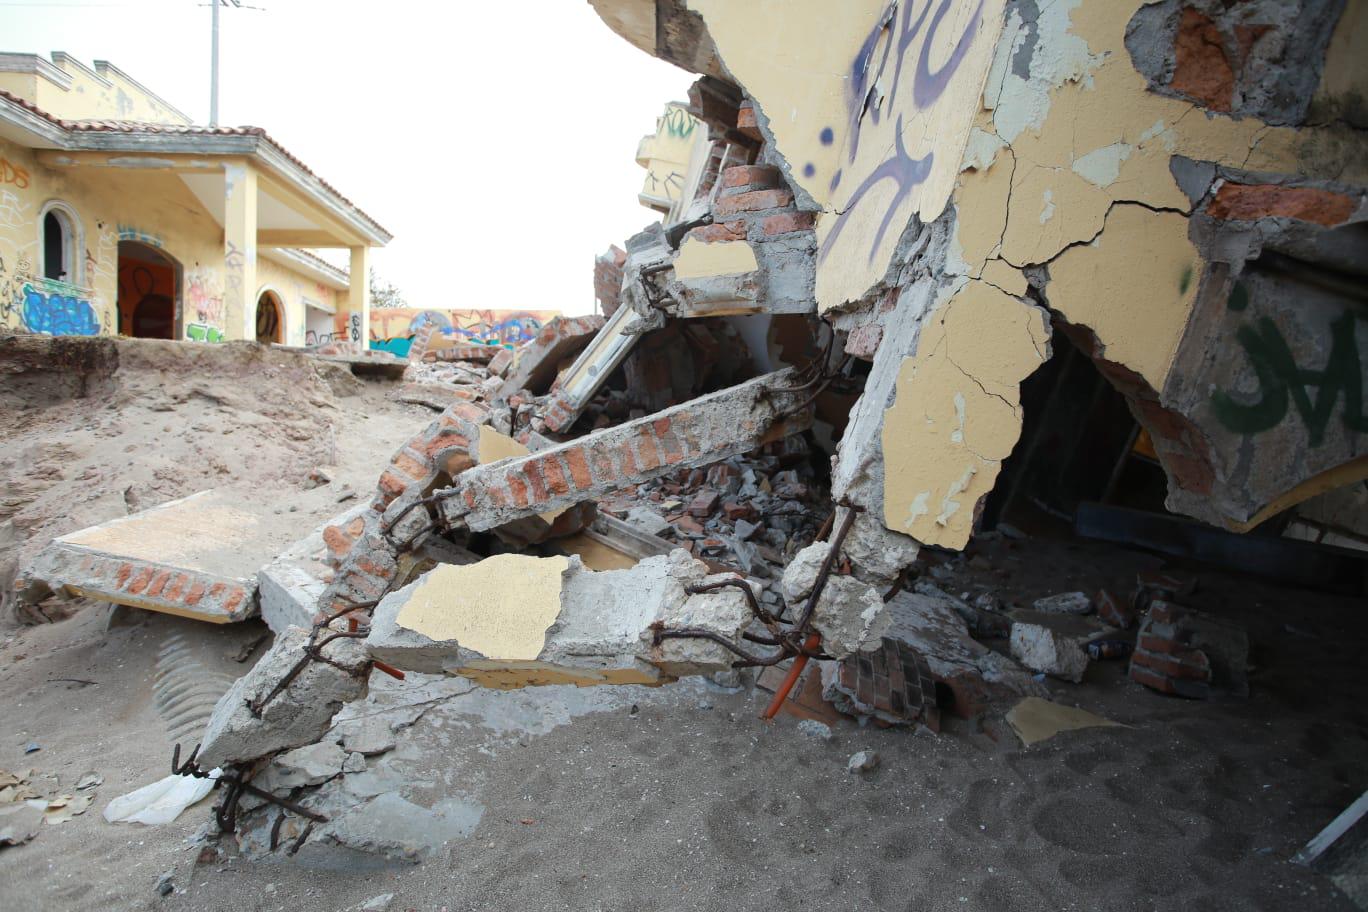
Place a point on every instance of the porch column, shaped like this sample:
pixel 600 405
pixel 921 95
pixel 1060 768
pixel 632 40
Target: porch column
pixel 358 297
pixel 239 251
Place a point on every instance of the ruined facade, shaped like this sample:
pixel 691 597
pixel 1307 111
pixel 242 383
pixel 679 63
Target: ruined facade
pixel 1177 186
pixel 120 217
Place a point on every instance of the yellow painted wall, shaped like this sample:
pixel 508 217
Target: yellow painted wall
pixel 153 207
pixel 870 136
pixel 92 96
pixel 665 156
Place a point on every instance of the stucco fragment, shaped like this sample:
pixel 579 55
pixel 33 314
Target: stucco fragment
pixel 957 413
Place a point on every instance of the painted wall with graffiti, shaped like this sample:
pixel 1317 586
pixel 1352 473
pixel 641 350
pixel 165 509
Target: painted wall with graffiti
pixel 665 156
pixel 1182 183
pixel 393 329
pixel 154 211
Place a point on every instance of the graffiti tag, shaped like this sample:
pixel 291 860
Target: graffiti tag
pixel 58 314
pixel 201 332
pixel 893 41
pixel 1283 381
pixel 11 173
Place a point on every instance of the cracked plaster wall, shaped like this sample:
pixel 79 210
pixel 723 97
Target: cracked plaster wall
pixel 1078 153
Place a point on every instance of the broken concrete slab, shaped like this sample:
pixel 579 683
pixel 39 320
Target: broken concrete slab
pixel 290 587
pixel 195 557
pixel 516 621
pixel 697 433
pixel 891 684
pixel 1064 603
pixel 298 715
pixel 536 363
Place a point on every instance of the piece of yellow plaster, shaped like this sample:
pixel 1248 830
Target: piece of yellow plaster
pixel 500 607
pixel 698 260
pixel 956 414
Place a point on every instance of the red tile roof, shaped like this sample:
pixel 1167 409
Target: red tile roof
pixel 133 126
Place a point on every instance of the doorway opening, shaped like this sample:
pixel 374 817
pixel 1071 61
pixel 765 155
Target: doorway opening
pixel 269 322
pixel 148 284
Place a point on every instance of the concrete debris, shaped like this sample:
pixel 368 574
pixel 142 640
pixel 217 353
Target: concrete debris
pixel 1065 603
pixel 378 903
pixel 20 821
pixel 891 684
pixel 166 884
pixel 297 715
pixel 862 761
pixel 312 764
pixel 1055 644
pixel 814 729
pixel 514 620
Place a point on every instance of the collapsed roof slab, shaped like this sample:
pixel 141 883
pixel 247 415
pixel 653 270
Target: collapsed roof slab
pixel 196 557
pixel 696 433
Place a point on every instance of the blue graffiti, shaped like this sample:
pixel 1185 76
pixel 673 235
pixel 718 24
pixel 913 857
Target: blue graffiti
pixel 58 314
pixel 398 347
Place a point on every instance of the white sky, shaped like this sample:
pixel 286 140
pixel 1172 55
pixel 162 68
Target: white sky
pixel 494 139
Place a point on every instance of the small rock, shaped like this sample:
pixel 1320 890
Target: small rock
pixel 345 493
pixel 862 761
pixel 814 729
pixel 31 747
pixel 378 903
pixel 89 781
pixel 355 763
pixel 165 885
pixel 1065 603
pixel 317 478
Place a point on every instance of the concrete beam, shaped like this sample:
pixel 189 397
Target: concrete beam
pixel 697 433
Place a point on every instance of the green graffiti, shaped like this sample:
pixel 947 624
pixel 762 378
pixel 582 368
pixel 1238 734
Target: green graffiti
pixel 202 332
pixel 1281 381
pixel 679 123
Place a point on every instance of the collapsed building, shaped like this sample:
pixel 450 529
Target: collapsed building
pixel 880 227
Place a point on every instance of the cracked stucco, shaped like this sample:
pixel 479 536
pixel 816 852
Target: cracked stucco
pixel 957 413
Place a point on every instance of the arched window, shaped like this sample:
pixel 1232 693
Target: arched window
pixel 61 244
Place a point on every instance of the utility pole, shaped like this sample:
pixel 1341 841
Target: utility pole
pixel 214 54
pixel 213 67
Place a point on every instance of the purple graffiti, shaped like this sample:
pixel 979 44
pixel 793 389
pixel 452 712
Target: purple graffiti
pixel 927 87
pixel 58 315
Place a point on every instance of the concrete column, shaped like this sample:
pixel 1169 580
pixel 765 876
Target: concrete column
pixel 358 297
pixel 239 251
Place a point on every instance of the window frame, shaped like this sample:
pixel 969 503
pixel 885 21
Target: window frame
pixel 73 242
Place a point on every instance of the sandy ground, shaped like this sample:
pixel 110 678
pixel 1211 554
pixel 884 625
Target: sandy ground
pixel 679 797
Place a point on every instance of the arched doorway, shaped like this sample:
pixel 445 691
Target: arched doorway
pixel 269 318
pixel 148 280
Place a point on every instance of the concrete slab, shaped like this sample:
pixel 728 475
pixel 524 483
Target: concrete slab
pixel 196 557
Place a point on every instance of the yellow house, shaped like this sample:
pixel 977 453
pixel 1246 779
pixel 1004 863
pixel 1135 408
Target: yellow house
pixel 120 216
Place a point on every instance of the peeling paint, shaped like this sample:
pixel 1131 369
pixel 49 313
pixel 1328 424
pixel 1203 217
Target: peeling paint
pixel 698 260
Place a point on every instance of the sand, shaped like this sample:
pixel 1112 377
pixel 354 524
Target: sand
pixel 688 801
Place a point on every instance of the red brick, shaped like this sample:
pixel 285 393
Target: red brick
pixel 377 564
pixel 456 462
pixel 234 599
pixel 140 581
pixel 787 223
pixel 628 458
pixel 719 232
pixel 1201 69
pixel 391 486
pixel 579 468
pixel 555 476
pixel 1151 679
pixel 1113 611
pixel 743 175
pixel 177 587
pixel 125 571
pixel 650 456
pixel 413 468
pixel 338 542
pixel 1247 202
pixel 195 594
pixel 754 201
pixel 535 483
pixel 516 488
pixel 442 440
pixel 158 583
pixel 1192 665
pixel 216 591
